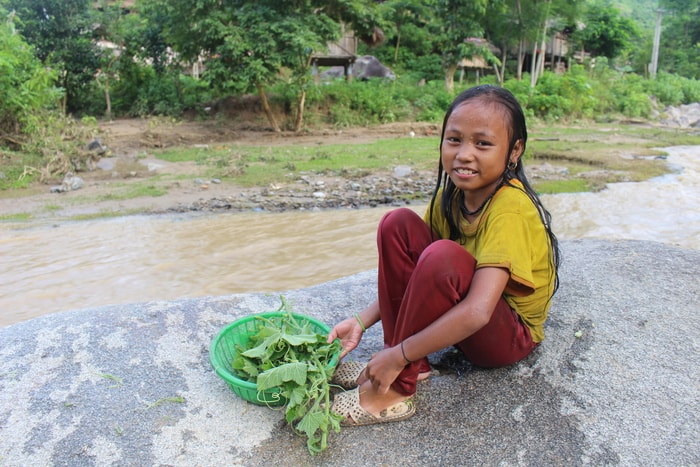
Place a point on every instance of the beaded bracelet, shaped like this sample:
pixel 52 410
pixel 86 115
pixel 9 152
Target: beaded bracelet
pixel 403 352
pixel 359 320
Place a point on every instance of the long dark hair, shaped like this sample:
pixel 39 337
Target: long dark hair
pixel 517 132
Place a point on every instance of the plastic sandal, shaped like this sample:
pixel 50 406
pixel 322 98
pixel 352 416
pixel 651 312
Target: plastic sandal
pixel 348 405
pixel 346 374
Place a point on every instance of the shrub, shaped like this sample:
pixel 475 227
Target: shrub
pixel 26 87
pixel 668 89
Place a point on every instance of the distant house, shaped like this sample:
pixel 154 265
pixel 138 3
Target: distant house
pixel 340 53
pixel 557 53
pixel 557 56
pixel 477 63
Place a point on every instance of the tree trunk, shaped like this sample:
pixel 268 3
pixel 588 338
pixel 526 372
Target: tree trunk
pixel 521 44
pixel 450 78
pixel 533 66
pixel 300 111
pixel 64 99
pixel 398 41
pixel 501 74
pixel 538 65
pixel 266 107
pixel 521 56
pixel 108 100
pixel 543 56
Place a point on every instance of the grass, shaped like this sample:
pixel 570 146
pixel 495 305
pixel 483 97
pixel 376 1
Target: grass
pixel 562 186
pixel 52 208
pixel 612 152
pixel 20 216
pixel 134 191
pixel 116 379
pixel 257 165
pixel 594 154
pixel 105 214
pixel 165 400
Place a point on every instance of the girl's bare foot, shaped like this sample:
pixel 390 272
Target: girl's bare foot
pixel 374 403
pixel 363 377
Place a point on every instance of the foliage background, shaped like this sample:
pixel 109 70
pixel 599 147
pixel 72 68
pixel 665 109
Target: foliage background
pixel 78 58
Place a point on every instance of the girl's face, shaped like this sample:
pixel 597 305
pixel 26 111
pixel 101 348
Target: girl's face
pixel 474 149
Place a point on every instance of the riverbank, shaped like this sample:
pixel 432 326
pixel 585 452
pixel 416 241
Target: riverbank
pixel 133 178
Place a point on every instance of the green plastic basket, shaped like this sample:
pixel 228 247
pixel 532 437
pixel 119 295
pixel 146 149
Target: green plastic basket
pixel 223 350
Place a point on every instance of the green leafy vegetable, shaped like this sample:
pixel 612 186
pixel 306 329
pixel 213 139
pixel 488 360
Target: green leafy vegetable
pixel 288 354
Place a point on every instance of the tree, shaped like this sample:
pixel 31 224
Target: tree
pixel 552 16
pixel 680 44
pixel 605 31
pixel 61 33
pixel 245 44
pixel 454 22
pixel 404 14
pixel 110 27
pixel 511 29
pixel 26 87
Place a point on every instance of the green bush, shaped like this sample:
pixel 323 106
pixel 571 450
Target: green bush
pixel 355 103
pixel 141 92
pixel 691 91
pixel 26 87
pixel 668 89
pixel 629 97
pixel 672 89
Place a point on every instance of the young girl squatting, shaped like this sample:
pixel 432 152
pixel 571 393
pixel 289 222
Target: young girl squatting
pixel 477 272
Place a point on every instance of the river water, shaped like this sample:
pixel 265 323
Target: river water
pixel 49 267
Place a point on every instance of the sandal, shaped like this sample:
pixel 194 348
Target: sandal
pixel 346 374
pixel 348 405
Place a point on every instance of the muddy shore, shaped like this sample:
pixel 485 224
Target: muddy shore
pixel 183 187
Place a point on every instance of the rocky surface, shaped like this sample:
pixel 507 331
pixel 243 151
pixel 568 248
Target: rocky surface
pixel 614 383
pixel 400 187
pixel 682 116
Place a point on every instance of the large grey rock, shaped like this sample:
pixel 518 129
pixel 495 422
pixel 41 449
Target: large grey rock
pixel 614 383
pixel 682 116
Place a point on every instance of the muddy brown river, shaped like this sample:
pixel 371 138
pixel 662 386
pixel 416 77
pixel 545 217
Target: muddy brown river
pixel 49 267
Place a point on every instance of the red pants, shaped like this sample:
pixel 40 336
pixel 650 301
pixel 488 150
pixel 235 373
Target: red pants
pixel 421 279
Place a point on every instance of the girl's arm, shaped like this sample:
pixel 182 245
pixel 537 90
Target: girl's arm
pixel 463 320
pixel 370 315
pixel 349 330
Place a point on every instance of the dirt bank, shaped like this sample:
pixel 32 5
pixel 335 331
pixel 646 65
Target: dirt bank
pixel 130 179
pixel 117 185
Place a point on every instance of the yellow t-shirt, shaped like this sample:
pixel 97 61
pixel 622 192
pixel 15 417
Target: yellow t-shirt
pixel 509 234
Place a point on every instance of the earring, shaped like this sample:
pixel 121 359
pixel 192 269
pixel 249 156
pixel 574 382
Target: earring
pixel 511 166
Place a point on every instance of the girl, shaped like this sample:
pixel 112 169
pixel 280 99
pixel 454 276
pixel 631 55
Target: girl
pixel 478 272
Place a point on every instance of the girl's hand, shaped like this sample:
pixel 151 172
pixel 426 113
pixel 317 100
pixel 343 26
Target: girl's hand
pixel 349 332
pixel 384 368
